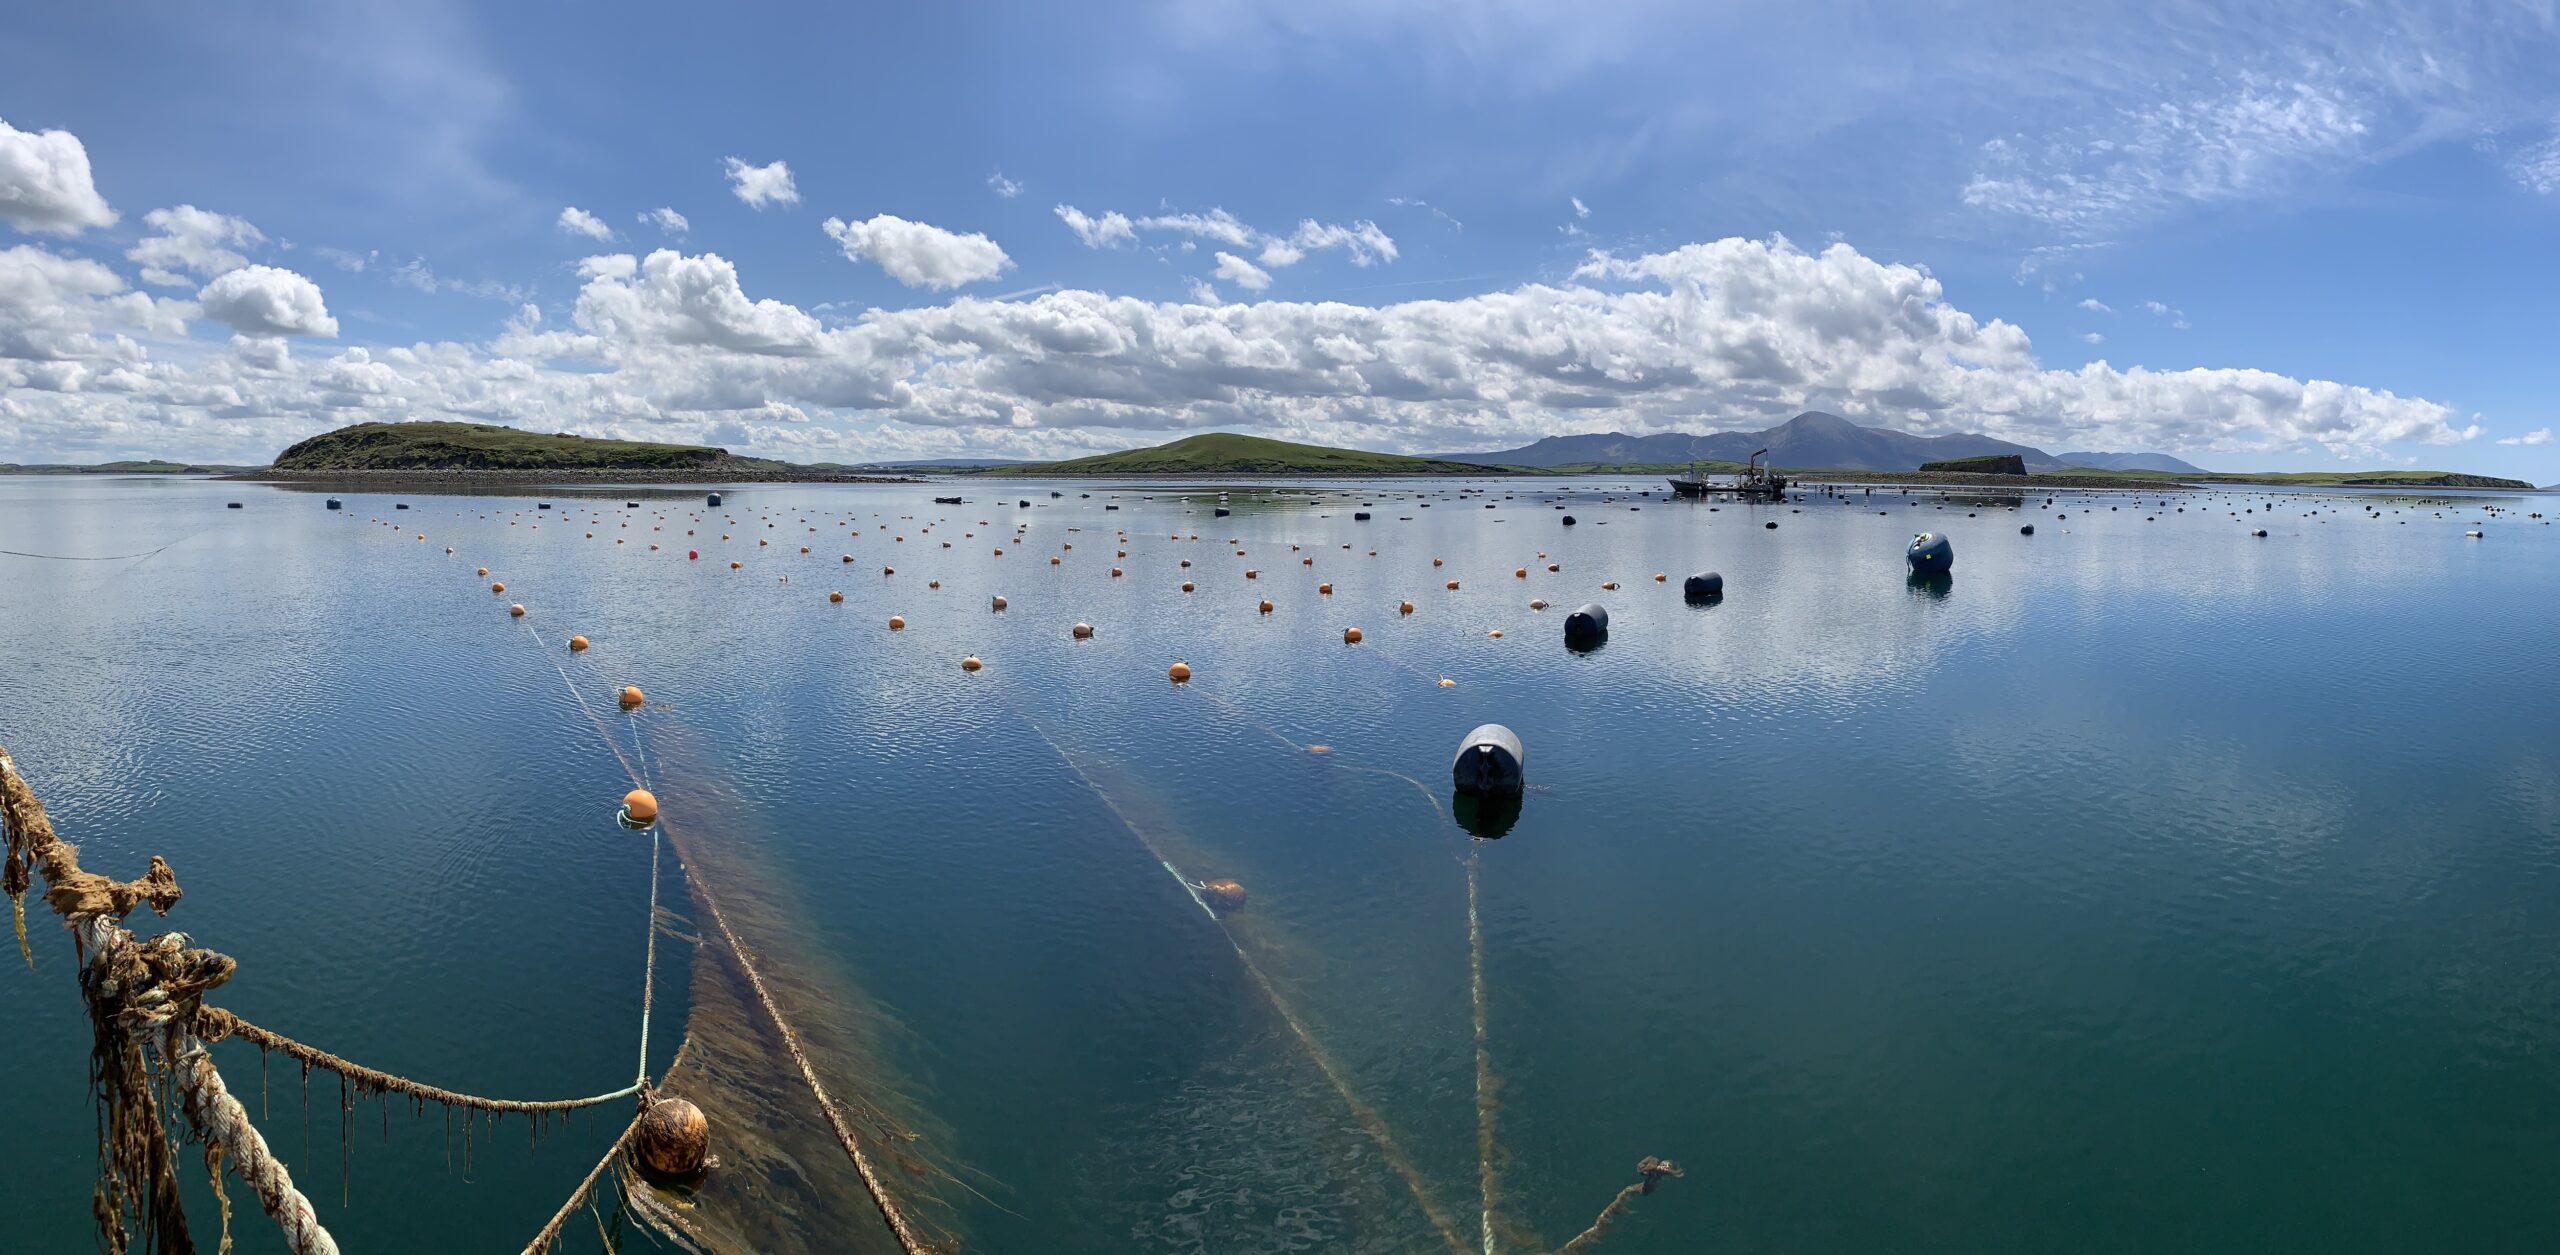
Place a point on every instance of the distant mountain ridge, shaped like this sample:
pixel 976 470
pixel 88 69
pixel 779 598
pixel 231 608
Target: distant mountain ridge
pixel 1812 439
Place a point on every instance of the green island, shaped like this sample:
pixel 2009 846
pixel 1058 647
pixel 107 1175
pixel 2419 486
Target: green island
pixel 1225 453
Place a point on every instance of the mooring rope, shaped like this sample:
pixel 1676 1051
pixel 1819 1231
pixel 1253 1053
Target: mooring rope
pixel 82 557
pixel 218 1119
pixel 215 1023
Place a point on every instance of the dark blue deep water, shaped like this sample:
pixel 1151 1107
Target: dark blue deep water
pixel 2145 886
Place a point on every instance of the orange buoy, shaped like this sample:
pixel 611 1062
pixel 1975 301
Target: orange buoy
pixel 1252 574
pixel 1350 636
pixel 1325 590
pixel 516 611
pixel 1453 586
pixel 1053 562
pixel 641 805
pixel 577 644
pixel 933 583
pixel 1404 607
pixel 1179 672
pixel 484 571
pixel 674 1138
pixel 1186 586
pixel 631 696
pixel 736 565
pixel 835 597
pixel 998 603
pixel 1225 895
pixel 1186 562
pixel 888 570
pixel 1266 605
pixel 498 588
pixel 1115 573
pixel 1306 562
pixel 1520 574
pixel 1083 631
pixel 1435 562
pixel 1495 634
pixel 1659 577
pixel 1554 567
pixel 897 624
pixel 971 663
pixel 1537 604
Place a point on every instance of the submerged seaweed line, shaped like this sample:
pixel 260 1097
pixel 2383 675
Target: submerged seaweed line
pixel 890 1213
pixel 1488 1146
pixel 1367 1117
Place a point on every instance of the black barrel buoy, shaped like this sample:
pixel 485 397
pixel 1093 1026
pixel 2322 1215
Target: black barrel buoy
pixel 1224 512
pixel 232 505
pixel 1703 585
pixel 1930 554
pixel 336 504
pixel 1490 761
pixel 1587 626
pixel 542 505
pixel 1771 525
pixel 1022 504
pixel 401 505
pixel 1568 520
pixel 2028 530
pixel 1360 516
pixel 713 499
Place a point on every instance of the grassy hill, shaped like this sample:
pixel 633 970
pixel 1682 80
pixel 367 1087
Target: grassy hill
pixel 1222 453
pixel 477 447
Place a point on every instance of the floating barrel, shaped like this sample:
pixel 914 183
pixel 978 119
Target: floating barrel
pixel 1568 520
pixel 1703 584
pixel 1930 553
pixel 401 506
pixel 1224 512
pixel 1360 516
pixel 232 505
pixel 542 505
pixel 2027 530
pixel 336 504
pixel 1489 760
pixel 713 499
pixel 1587 626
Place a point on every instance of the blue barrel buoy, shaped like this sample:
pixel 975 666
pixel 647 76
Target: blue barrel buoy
pixel 713 499
pixel 1490 761
pixel 1224 512
pixel 1702 585
pixel 2028 530
pixel 1568 520
pixel 403 505
pixel 1587 626
pixel 232 505
pixel 1360 516
pixel 336 504
pixel 1930 554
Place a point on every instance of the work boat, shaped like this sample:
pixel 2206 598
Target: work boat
pixel 1758 483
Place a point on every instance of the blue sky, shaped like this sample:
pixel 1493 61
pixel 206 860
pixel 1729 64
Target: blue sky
pixel 2300 238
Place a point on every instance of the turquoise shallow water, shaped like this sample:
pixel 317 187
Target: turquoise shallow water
pixel 2145 886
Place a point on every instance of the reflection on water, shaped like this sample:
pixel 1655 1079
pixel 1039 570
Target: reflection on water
pixel 2086 910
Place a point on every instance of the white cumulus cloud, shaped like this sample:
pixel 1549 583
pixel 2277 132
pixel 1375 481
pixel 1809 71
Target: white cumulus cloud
pixel 45 185
pixel 2096 306
pixel 2535 437
pixel 187 241
pixel 1242 273
pixel 917 254
pixel 666 220
pixel 1580 210
pixel 760 186
pixel 1004 187
pixel 1103 232
pixel 577 221
pixel 266 301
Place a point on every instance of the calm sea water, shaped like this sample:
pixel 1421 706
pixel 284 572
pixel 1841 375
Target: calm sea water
pixel 2146 886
